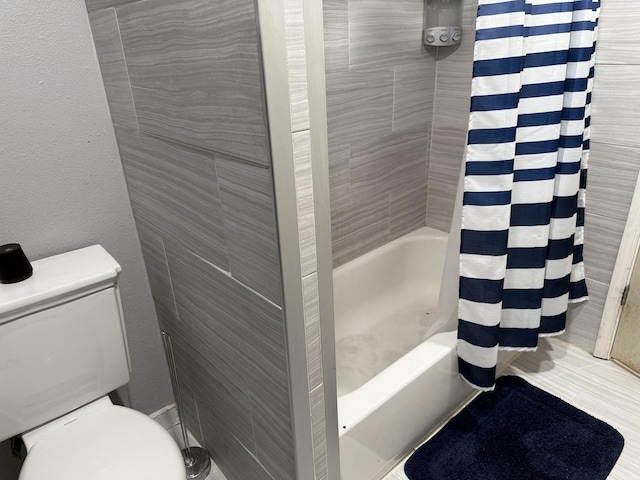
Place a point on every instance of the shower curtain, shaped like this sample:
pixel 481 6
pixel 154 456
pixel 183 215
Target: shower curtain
pixel 525 177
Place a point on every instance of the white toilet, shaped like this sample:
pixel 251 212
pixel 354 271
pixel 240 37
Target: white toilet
pixel 62 350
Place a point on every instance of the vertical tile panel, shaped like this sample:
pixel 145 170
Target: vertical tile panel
pixel 312 330
pixel 413 95
pixel 617 33
pixel 601 243
pixel 246 192
pixel 195 73
pixel 218 393
pixel 407 210
pixel 584 318
pixel 339 181
pixel 450 122
pixel 359 105
pixel 336 35
pixel 445 162
pixel 614 110
pixel 391 163
pixel 304 194
pixel 175 189
pixel 245 329
pixel 235 461
pixel 106 37
pixel 611 180
pixel 274 432
pixel 319 433
pixel 158 272
pixel 360 229
pixel 296 61
pixel 385 32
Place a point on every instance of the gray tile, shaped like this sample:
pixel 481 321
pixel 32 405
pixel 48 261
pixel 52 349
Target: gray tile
pixel 158 272
pixel 97 4
pixel 246 192
pixel 360 229
pixel 584 319
pixel 174 189
pixel 614 111
pixel 189 413
pixel 616 28
pixel 453 100
pixel 274 435
pixel 611 180
pixel 445 161
pixel 304 195
pixel 601 243
pixel 106 37
pixel 385 32
pixel 312 330
pixel 413 93
pixel 234 460
pixel 195 73
pixel 217 392
pixel 387 164
pixel 359 105
pixel 319 434
pixel 296 61
pixel 407 210
pixel 243 328
pixel 336 35
pixel 339 181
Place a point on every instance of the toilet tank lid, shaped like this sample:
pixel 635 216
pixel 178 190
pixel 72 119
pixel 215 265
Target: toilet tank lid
pixel 59 279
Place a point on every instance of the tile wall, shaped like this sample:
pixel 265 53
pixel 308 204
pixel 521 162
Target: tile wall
pixel 183 80
pixel 615 158
pixel 380 92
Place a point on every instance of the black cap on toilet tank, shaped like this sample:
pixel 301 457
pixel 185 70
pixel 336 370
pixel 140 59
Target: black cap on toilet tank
pixel 14 265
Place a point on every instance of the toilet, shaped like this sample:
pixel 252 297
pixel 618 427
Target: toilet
pixel 63 348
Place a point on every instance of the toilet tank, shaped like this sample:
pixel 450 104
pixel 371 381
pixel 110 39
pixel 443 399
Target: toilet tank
pixel 62 339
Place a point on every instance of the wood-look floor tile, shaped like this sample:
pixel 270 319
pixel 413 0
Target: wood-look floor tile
pixel 600 388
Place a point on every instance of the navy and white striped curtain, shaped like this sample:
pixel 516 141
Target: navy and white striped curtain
pixel 525 177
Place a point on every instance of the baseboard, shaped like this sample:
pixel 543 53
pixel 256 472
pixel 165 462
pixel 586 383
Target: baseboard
pixel 167 416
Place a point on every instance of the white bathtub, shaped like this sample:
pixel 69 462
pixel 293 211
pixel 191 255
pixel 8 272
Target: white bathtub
pixel 384 304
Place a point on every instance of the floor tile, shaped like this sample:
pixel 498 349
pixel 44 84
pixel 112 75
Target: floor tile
pixel 599 387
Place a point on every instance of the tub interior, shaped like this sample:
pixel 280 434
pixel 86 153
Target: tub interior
pixel 385 302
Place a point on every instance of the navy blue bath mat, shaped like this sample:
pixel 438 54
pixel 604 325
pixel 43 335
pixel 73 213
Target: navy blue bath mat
pixel 518 432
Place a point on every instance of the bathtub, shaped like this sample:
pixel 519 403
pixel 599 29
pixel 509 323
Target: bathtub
pixel 394 387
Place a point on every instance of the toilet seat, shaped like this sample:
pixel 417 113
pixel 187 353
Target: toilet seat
pixel 110 443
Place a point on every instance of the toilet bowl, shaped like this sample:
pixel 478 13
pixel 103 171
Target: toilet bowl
pixel 102 441
pixel 62 350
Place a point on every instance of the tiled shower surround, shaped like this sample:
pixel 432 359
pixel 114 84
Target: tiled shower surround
pixel 372 64
pixel 184 84
pixel 380 89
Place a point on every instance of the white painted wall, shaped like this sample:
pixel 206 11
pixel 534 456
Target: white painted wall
pixel 61 180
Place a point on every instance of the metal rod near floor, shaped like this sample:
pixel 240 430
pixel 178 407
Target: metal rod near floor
pixel 197 460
